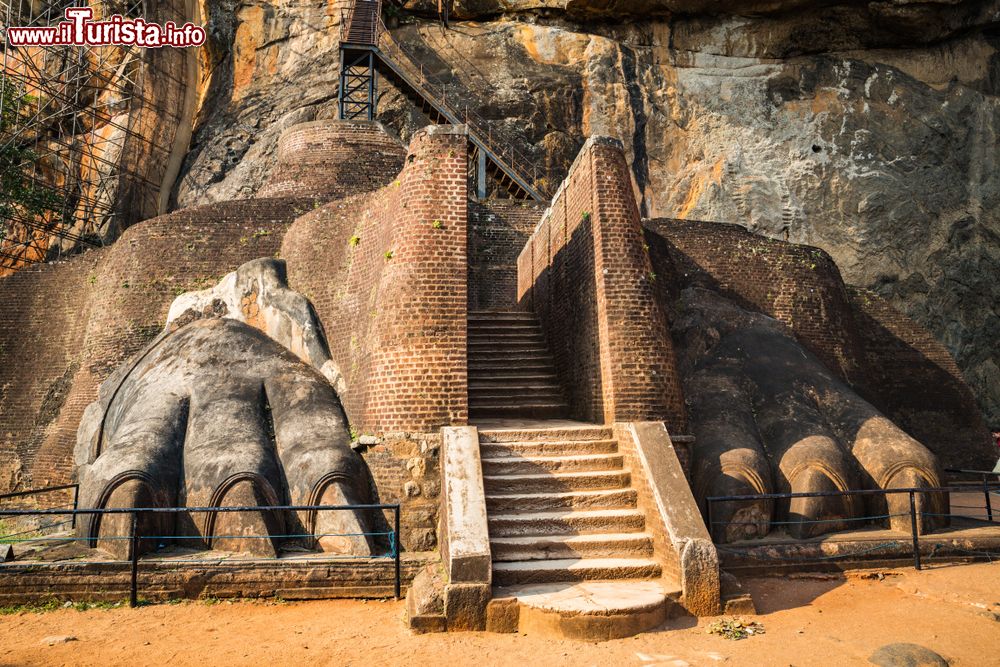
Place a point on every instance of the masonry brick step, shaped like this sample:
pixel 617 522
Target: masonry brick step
pixel 581 569
pixel 528 348
pixel 504 334
pixel 512 328
pixel 574 522
pixel 512 465
pixel 547 448
pixel 509 503
pixel 550 483
pixel 509 367
pixel 524 378
pixel 554 434
pixel 514 387
pixel 492 355
pixel 497 316
pixel 522 410
pixel 555 547
pixel 515 398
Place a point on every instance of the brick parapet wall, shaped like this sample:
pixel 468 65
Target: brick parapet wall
pixel 498 231
pixel 914 380
pixel 882 354
pixel 331 159
pixel 67 326
pixel 28 582
pixel 387 274
pixel 797 285
pixel 587 274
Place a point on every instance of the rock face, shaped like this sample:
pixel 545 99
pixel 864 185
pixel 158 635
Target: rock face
pixel 870 131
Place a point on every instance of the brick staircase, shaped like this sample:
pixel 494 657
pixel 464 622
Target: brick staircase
pixel 511 374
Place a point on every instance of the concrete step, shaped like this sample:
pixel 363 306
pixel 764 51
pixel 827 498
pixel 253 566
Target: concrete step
pixel 575 569
pixel 573 522
pixel 555 434
pixel 555 547
pixel 524 465
pixel 493 450
pixel 587 611
pixel 509 503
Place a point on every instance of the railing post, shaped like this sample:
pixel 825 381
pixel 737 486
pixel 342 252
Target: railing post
pixel 76 505
pixel 133 599
pixel 708 516
pixel 395 549
pixel 913 529
pixel 986 493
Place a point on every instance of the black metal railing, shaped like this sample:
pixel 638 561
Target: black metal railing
pixel 912 511
pixel 500 144
pixel 985 475
pixel 135 535
pixel 46 491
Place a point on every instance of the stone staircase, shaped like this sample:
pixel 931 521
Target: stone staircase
pixel 511 374
pixel 565 527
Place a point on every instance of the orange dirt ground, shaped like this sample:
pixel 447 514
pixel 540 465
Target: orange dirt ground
pixel 815 620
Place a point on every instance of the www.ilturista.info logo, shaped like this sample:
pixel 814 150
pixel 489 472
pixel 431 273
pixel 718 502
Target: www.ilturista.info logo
pixel 79 30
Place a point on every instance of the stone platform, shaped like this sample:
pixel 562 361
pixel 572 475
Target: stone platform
pixel 965 540
pixel 588 610
pixel 72 572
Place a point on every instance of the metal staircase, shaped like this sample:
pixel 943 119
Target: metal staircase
pixel 367 51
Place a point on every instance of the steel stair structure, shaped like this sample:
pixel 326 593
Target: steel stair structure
pixel 367 51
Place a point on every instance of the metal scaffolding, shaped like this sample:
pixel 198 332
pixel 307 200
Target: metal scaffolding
pixel 76 112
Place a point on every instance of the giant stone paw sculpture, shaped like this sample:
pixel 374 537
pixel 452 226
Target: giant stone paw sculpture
pixel 769 417
pixel 215 412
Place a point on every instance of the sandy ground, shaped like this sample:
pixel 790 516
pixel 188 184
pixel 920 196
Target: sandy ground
pixel 954 610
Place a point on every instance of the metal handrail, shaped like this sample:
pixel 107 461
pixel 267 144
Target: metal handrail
pixel 515 160
pixel 911 491
pixel 32 492
pixel 499 144
pixel 49 489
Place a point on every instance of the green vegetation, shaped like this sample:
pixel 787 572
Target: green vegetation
pixel 20 195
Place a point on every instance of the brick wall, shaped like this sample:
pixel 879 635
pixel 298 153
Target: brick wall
pixel 795 284
pixel 387 274
pixel 587 275
pixel 334 159
pixel 67 326
pixel 913 379
pixel 498 230
pixel 886 357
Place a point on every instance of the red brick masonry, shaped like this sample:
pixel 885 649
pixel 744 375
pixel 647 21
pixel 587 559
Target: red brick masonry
pixel 587 275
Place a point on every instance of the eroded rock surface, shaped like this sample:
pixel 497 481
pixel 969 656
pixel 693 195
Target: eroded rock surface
pixel 868 130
